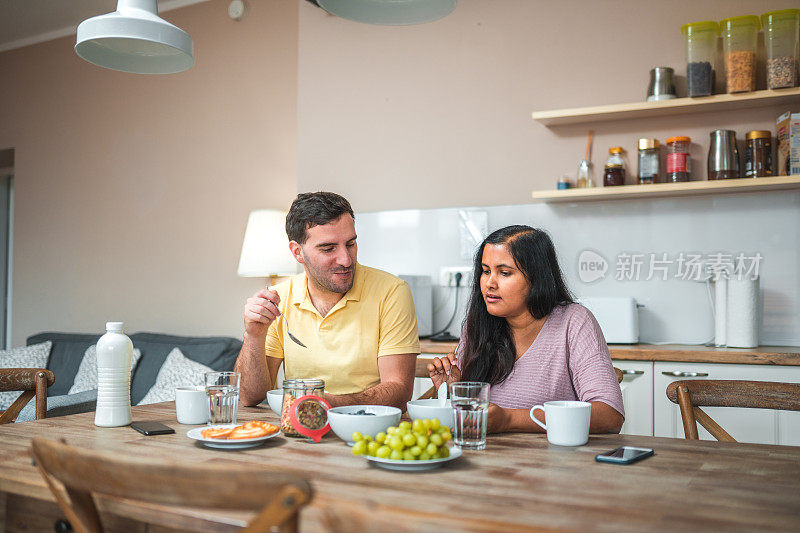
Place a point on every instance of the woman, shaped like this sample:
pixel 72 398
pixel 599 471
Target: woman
pixel 525 336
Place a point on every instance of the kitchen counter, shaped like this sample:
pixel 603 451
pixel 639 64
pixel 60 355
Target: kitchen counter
pixel 677 353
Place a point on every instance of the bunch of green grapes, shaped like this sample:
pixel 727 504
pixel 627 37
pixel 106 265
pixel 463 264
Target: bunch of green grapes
pixel 420 441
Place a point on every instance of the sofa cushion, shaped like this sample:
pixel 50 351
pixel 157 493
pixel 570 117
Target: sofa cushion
pixel 68 404
pixel 86 378
pixel 217 353
pixel 177 371
pixel 23 357
pixel 65 357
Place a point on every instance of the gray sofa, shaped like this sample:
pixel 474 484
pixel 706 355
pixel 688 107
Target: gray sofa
pixel 218 353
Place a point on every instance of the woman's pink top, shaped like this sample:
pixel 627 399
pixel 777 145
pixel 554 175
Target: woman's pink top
pixel 568 360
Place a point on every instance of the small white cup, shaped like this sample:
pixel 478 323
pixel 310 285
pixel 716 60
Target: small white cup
pixel 567 422
pixel 191 405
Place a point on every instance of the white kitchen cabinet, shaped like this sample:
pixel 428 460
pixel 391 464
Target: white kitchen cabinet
pixel 637 396
pixel 764 426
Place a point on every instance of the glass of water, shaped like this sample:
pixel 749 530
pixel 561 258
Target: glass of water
pixel 470 400
pixel 223 396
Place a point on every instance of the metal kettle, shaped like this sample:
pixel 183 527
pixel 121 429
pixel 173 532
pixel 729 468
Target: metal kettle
pixel 723 155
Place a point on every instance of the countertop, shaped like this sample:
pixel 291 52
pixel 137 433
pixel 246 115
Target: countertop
pixel 677 353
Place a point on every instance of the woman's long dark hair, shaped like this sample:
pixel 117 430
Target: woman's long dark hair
pixel 489 352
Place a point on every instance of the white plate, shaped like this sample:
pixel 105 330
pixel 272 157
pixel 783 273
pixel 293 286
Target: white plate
pixel 415 466
pixel 224 443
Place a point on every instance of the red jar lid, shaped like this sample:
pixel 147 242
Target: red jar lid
pixel 313 403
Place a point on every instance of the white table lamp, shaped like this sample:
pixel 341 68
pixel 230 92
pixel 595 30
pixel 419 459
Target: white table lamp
pixel 265 250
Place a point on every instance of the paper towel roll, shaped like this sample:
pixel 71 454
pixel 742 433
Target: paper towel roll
pixel 720 309
pixel 742 330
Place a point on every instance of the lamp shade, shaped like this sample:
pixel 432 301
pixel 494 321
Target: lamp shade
pixel 389 12
pixel 265 250
pixel 135 39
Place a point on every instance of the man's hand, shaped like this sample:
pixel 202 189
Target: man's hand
pixel 259 312
pixel 444 369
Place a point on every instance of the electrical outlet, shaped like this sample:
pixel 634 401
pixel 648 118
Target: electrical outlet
pixel 447 276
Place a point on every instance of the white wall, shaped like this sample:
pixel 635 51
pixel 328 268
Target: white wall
pixel 132 192
pixel 423 241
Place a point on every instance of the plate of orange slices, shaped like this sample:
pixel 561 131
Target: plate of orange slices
pixel 234 436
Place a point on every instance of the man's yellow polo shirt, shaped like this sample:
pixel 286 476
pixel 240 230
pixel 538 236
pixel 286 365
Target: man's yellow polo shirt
pixel 376 317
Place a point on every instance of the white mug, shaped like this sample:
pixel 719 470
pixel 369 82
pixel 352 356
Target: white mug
pixel 567 422
pixel 191 405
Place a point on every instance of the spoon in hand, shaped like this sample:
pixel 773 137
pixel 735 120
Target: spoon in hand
pixel 289 333
pixel 441 393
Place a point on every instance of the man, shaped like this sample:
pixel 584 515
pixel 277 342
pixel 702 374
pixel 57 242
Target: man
pixel 358 323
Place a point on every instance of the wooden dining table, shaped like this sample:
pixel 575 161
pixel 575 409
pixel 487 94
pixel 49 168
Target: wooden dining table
pixel 520 482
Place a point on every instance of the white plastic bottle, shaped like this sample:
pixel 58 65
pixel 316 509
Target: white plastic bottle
pixel 114 352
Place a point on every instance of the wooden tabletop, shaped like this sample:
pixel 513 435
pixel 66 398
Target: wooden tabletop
pixel 518 482
pixel 676 353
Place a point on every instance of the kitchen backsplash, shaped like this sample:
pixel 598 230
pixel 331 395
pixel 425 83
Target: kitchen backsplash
pixel 645 249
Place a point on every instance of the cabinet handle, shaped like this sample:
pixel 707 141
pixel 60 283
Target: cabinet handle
pixel 679 374
pixel 633 372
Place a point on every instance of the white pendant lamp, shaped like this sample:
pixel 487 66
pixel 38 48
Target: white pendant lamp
pixel 135 39
pixel 389 12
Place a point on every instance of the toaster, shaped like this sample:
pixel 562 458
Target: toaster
pixel 618 318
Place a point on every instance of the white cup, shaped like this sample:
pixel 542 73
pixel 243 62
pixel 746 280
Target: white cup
pixel 191 405
pixel 567 422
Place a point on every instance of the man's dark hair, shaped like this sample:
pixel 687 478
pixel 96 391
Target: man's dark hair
pixel 311 209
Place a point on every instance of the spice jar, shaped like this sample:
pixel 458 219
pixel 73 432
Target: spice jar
pixel 758 154
pixel 614 174
pixel 701 53
pixel 739 38
pixel 648 161
pixel 292 390
pixel 679 165
pixel 781 37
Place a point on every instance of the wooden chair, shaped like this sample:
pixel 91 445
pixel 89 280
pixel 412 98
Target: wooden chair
pixel 32 382
pixel 690 395
pixel 276 496
pixel 422 372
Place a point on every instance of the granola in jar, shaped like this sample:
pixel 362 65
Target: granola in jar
pixel 292 390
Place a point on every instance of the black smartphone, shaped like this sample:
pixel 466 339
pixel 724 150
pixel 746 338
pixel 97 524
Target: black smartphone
pixel 624 455
pixel 152 428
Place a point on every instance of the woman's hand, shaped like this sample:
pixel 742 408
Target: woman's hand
pixel 499 419
pixel 444 369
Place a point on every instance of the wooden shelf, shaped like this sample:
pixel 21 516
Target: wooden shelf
pixel 691 188
pixel 717 102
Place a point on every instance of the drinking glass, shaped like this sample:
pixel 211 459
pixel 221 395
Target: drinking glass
pixel 223 396
pixel 470 400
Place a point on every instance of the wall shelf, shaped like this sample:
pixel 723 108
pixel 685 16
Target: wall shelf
pixel 657 190
pixel 717 102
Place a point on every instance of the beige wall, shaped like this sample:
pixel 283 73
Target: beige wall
pixel 132 192
pixel 439 114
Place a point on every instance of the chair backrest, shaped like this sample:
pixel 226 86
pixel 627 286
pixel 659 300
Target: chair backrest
pixel 276 496
pixel 32 382
pixel 690 395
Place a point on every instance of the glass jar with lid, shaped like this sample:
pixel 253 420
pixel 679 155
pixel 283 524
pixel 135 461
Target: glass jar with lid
pixel 739 39
pixel 679 165
pixel 292 390
pixel 648 161
pixel 781 38
pixel 758 154
pixel 701 55
pixel 614 174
